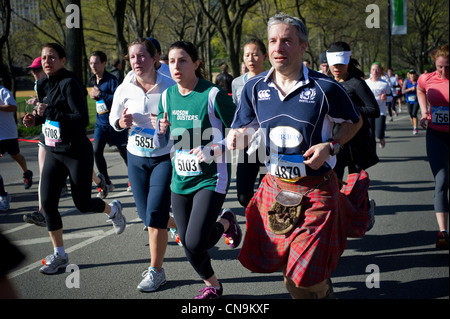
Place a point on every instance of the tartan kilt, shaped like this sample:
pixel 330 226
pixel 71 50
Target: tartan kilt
pixel 311 251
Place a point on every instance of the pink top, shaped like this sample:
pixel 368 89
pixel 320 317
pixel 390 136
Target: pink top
pixel 437 90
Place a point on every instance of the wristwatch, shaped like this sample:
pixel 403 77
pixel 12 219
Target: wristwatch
pixel 334 147
pixel 99 94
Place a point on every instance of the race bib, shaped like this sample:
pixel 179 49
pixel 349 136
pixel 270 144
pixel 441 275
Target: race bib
pixel 141 141
pixel 439 115
pixel 412 98
pixel 52 133
pixel 187 164
pixel 101 107
pixel 288 167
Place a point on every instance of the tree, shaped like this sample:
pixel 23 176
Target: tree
pixel 5 18
pixel 427 29
pixel 228 16
pixel 74 40
pixel 118 14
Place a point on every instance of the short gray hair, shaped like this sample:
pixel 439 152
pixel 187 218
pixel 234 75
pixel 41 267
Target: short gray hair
pixel 302 31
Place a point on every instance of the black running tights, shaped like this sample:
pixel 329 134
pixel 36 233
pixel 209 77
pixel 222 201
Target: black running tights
pixel 196 218
pixel 77 164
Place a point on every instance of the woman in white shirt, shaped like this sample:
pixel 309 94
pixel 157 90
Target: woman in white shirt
pixel 380 90
pixel 149 168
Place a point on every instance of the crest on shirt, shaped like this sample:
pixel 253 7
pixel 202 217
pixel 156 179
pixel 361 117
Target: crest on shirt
pixel 263 95
pixel 308 95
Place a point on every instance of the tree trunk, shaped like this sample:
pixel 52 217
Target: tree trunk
pixel 74 39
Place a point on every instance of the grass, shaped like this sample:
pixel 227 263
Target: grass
pixel 35 131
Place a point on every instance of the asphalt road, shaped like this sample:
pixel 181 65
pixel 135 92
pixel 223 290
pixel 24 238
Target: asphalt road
pixel 395 260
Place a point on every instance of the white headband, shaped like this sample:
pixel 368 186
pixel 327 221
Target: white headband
pixel 342 57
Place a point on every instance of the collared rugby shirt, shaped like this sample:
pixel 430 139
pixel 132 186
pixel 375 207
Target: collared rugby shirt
pixel 299 120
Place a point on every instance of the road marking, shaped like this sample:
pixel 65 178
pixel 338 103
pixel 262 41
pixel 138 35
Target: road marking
pixel 68 250
pixel 47 239
pixel 26 225
pixel 72 210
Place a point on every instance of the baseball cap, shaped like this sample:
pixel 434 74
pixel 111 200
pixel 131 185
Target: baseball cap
pixel 36 64
pixel 412 71
pixel 155 43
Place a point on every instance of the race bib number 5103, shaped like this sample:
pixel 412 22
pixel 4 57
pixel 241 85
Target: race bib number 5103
pixel 187 164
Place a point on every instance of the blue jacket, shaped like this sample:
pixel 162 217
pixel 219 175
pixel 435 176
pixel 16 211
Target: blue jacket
pixel 108 85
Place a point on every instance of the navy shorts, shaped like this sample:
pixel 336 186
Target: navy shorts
pixel 150 179
pixel 110 135
pixel 10 146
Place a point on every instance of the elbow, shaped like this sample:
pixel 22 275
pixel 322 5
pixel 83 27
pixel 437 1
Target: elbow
pixel 360 123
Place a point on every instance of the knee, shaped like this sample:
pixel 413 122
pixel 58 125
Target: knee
pixel 195 247
pixel 82 207
pixel 244 200
pixel 322 290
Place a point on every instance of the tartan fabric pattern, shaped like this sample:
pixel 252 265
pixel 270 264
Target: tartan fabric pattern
pixel 312 250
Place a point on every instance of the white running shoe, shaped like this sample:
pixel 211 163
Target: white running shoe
pixel 119 221
pixel 52 263
pixel 152 279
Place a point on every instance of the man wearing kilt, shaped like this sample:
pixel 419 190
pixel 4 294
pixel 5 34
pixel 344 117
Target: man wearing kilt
pixel 302 232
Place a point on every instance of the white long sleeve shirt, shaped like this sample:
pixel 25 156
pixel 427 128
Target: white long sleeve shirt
pixel 141 104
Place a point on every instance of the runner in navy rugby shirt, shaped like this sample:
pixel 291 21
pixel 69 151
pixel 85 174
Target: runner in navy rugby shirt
pixel 296 109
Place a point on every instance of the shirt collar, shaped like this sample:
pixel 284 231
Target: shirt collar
pixel 302 81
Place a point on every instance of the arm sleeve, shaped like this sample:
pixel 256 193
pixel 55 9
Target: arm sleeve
pixel 341 107
pixel 75 96
pixel 108 94
pixel 370 106
pixel 116 109
pixel 245 115
pixel 225 108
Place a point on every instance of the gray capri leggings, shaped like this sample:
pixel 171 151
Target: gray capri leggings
pixel 438 156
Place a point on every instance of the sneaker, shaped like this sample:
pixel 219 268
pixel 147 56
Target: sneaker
pixel 382 143
pixel 35 218
pixel 119 221
pixel 233 235
pixel 391 119
pixel 4 202
pixel 174 234
pixel 129 190
pixel 152 279
pixel 415 131
pixel 52 263
pixel 210 293
pixel 442 242
pixel 103 188
pixel 27 179
pixel 371 214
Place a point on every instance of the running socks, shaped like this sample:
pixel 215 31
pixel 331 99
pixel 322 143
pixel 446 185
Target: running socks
pixel 59 251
